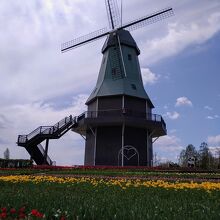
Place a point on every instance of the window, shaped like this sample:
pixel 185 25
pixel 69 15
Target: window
pixel 129 57
pixel 133 86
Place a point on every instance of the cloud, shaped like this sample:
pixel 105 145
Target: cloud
pixel 148 76
pixel 3 121
pixel 172 131
pixel 208 108
pixel 169 147
pixel 215 150
pixel 212 117
pixel 180 35
pixel 214 140
pixel 181 101
pixel 69 149
pixel 34 63
pixel 214 144
pixel 172 115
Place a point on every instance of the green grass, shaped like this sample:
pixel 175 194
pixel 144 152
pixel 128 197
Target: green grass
pixel 84 201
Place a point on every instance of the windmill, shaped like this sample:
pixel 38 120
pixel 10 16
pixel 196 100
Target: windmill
pixel 119 126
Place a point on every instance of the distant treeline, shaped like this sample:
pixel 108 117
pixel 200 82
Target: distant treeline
pixel 15 163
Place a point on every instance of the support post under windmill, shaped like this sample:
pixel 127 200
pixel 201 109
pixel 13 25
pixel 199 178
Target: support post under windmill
pixel 122 145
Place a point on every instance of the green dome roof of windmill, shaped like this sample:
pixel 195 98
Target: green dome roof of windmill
pixel 120 78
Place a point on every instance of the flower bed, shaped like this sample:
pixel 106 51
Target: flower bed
pixel 90 198
pixel 120 182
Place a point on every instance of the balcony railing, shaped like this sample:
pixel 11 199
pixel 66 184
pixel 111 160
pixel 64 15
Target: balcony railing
pixel 122 113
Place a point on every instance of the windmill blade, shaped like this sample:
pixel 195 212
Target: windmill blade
pixel 149 19
pixel 84 39
pixel 113 13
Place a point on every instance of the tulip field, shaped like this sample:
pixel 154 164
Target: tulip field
pixel 96 193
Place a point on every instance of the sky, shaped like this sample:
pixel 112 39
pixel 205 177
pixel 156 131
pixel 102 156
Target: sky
pixel 180 62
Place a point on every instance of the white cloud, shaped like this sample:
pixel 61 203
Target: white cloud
pixel 214 144
pixel 32 115
pixel 172 115
pixel 183 101
pixel 215 150
pixel 208 108
pixel 148 76
pixel 214 140
pixel 172 131
pixel 212 117
pixel 180 35
pixel 168 146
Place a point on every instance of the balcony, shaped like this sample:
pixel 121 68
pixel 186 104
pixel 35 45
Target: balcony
pixel 114 117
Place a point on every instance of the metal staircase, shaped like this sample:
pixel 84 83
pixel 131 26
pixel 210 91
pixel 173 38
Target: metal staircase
pixel 32 141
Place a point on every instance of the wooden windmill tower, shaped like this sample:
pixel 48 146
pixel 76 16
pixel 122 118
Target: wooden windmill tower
pixel 119 125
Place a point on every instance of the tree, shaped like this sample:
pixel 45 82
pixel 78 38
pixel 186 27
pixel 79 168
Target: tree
pixel 186 154
pixel 7 154
pixel 205 156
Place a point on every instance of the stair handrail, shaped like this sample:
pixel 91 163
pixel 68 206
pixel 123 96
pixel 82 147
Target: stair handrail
pixel 40 130
pixel 22 138
pixel 63 122
pixel 81 116
pixel 50 129
pixel 34 133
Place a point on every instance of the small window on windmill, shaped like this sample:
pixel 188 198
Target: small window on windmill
pixel 103 60
pixel 129 57
pixel 133 86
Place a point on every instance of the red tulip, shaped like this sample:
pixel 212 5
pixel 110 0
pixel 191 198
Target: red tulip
pixel 4 209
pixel 3 215
pixel 12 211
